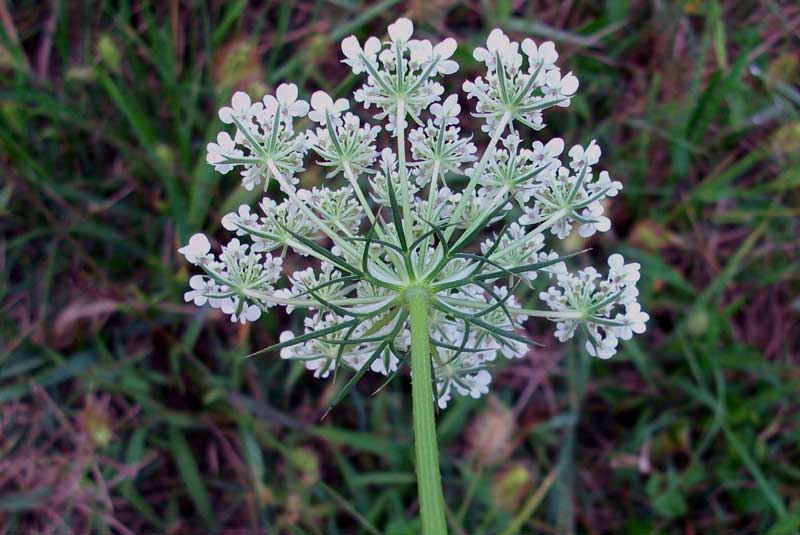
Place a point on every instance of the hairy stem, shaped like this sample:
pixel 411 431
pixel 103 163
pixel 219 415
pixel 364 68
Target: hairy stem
pixel 429 480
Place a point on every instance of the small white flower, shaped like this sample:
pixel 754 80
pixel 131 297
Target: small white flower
pixel 234 220
pixel 357 57
pixel 323 105
pixel 222 152
pixel 556 86
pixel 602 345
pixel 286 97
pixel 621 273
pixel 597 222
pixel 584 157
pixel 241 108
pixel 196 251
pixel 549 153
pixel 474 385
pixel 634 319
pixel 544 53
pixel 606 185
pixel 446 112
pixel 241 312
pixel 497 43
pixel 423 52
pixel 401 30
pixel 200 288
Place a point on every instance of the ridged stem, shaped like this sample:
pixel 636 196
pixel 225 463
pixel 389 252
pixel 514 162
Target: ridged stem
pixel 429 480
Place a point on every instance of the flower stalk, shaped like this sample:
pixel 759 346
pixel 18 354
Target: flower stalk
pixel 429 480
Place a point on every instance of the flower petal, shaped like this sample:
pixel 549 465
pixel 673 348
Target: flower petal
pixel 286 93
pixel 241 101
pixel 401 30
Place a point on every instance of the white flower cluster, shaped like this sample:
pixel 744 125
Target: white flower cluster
pixel 389 221
pixel 265 145
pixel 509 91
pixel 599 303
pixel 238 282
pixel 402 67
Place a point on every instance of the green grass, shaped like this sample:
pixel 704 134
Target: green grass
pixel 109 382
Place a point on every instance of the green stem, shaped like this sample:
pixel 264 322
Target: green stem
pixel 432 193
pixel 531 313
pixel 402 170
pixel 289 190
pixel 429 480
pixel 351 177
pixel 466 195
pixel 544 225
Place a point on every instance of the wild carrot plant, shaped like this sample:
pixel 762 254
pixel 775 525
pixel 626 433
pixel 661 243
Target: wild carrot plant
pixel 404 267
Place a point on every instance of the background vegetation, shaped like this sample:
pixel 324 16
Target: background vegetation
pixel 124 411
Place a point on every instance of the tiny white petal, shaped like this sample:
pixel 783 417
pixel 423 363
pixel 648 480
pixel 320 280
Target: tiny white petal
pixel 240 101
pixel 569 85
pixel 446 48
pixel 401 30
pixel 351 47
pixel 286 93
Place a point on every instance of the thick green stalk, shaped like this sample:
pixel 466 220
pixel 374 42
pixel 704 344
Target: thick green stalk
pixel 429 480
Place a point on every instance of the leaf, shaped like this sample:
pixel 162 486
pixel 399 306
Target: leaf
pixel 787 525
pixel 25 500
pixel 190 474
pixel 516 524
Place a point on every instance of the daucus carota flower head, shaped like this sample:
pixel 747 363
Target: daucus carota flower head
pixel 393 222
pixel 265 144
